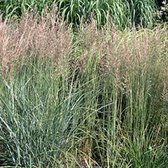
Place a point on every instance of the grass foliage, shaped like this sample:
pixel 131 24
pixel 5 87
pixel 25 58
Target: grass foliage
pixel 96 98
pixel 124 13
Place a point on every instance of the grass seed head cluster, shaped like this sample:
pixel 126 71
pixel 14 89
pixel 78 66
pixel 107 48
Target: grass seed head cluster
pixel 44 37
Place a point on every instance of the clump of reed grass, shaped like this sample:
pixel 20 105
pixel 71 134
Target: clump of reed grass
pixel 104 104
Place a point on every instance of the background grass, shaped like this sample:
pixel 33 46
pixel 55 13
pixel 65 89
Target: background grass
pixel 94 98
pixel 123 13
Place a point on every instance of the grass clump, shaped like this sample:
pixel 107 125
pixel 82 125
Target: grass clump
pixel 123 13
pixel 96 98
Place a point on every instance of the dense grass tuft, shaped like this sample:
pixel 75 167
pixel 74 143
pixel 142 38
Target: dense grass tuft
pixel 94 98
